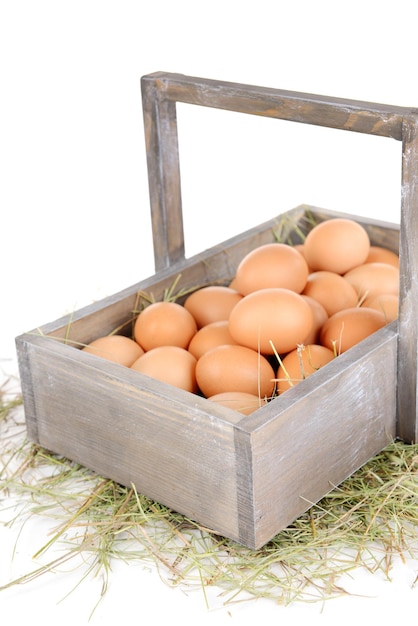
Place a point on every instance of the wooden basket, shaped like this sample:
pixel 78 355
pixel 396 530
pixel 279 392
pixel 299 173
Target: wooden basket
pixel 245 477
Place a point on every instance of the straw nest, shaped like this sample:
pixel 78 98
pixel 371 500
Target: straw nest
pixel 366 522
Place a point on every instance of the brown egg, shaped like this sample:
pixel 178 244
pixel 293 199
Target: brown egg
pixel 319 318
pixel 388 303
pixel 164 324
pixel 272 265
pixel 169 364
pixel 301 363
pixel 278 316
pixel 347 328
pixel 211 304
pixel 382 255
pixel 336 245
pixel 117 348
pixel 301 248
pixel 244 403
pixel 234 368
pixel 371 279
pixel 331 290
pixel 210 336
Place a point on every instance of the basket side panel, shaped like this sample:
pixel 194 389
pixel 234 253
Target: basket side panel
pixel 102 417
pixel 314 444
pixel 215 265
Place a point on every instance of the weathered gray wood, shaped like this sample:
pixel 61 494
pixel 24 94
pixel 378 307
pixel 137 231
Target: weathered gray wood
pixel 131 428
pixel 408 318
pixel 366 117
pixel 161 139
pixel 161 91
pixel 245 477
pixel 217 264
pixel 304 444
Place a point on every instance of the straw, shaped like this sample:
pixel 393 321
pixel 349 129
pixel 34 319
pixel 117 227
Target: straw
pixel 366 522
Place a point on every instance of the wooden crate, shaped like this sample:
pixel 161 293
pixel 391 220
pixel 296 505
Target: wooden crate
pixel 245 477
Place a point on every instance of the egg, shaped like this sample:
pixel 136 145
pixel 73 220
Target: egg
pixel 275 316
pixel 164 324
pixel 336 245
pixel 212 303
pixel 375 278
pixel 210 336
pixel 271 265
pixel 388 303
pixel 319 318
pixel 234 368
pixel 300 363
pixel 331 290
pixel 300 247
pixel 117 348
pixel 245 403
pixel 382 255
pixel 346 328
pixel 169 364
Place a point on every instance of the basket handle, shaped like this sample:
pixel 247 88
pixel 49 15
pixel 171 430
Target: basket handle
pixel 160 93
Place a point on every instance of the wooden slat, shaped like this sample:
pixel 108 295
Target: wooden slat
pixel 304 445
pixel 355 115
pixel 161 91
pixel 133 429
pixel 408 310
pixel 216 264
pixel 161 140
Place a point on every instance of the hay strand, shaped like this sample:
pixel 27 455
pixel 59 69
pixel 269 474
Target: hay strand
pixel 365 522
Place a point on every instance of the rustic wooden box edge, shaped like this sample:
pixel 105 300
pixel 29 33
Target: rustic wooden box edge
pixel 236 502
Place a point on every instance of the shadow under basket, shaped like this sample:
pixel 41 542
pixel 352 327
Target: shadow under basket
pixel 244 477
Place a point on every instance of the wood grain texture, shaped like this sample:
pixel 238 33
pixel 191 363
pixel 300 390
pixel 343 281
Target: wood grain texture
pixel 160 93
pixel 161 140
pixel 408 318
pixel 305 444
pixel 244 477
pixel 371 118
pixel 132 429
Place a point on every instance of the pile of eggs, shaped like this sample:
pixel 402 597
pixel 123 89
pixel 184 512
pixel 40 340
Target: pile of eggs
pixel 289 311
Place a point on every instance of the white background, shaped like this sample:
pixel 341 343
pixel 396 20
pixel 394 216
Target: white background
pixel 75 222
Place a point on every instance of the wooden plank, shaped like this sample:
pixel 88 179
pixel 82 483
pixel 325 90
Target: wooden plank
pixel 161 140
pixel 160 93
pixel 27 386
pixel 133 429
pixel 345 114
pixel 408 319
pixel 217 264
pixel 313 437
